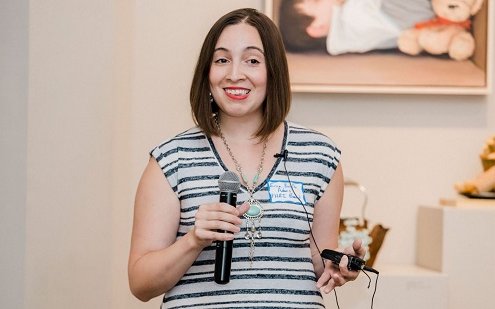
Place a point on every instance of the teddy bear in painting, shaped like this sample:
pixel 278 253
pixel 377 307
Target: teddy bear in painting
pixel 448 33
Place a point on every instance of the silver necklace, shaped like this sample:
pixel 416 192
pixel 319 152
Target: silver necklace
pixel 255 213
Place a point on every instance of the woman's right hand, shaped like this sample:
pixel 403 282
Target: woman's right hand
pixel 217 216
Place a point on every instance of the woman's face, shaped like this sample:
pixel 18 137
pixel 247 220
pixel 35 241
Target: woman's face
pixel 238 73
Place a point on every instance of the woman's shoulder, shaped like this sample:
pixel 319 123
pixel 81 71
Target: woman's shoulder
pixel 188 138
pixel 303 132
pixel 189 135
pixel 302 137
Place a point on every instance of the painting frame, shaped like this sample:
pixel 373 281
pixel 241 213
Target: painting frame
pixel 394 72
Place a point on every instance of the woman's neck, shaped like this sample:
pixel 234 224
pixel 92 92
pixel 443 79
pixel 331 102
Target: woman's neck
pixel 240 128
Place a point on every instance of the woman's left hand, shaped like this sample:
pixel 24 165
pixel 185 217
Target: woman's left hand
pixel 334 276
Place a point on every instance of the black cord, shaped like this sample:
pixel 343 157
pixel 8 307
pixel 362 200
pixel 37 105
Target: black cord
pixel 307 215
pixel 309 224
pixel 365 268
pixel 336 300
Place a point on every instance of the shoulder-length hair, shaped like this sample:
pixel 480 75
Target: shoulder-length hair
pixel 278 96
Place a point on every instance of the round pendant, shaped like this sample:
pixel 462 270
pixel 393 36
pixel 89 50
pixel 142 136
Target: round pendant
pixel 255 210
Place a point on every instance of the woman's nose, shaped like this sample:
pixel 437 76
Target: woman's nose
pixel 236 72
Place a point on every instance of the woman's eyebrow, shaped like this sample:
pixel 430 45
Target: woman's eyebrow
pixel 247 48
pixel 221 49
pixel 256 48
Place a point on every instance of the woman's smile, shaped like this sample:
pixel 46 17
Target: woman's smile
pixel 237 93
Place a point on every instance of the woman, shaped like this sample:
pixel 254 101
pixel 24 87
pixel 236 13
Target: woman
pixel 240 96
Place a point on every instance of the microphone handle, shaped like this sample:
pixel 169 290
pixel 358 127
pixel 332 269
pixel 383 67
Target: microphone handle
pixel 223 254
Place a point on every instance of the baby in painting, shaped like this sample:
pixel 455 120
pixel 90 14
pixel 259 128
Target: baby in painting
pixel 348 26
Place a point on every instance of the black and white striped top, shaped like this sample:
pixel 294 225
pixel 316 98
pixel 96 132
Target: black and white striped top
pixel 282 273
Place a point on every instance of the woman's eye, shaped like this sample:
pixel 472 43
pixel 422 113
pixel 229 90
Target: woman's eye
pixel 253 61
pixel 221 60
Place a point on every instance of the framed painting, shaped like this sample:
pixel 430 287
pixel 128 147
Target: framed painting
pixel 388 70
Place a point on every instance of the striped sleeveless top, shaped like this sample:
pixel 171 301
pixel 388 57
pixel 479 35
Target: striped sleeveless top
pixel 282 273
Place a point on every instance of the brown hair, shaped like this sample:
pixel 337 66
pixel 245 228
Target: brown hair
pixel 278 96
pixel 293 25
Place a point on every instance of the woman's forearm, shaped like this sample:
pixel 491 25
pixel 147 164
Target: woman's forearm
pixel 156 272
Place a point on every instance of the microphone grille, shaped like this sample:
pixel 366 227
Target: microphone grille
pixel 229 182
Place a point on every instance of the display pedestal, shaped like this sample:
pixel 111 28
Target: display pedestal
pixel 404 287
pixel 455 265
pixel 458 241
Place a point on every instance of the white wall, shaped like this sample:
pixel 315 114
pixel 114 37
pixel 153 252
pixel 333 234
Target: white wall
pixel 70 154
pixel 13 142
pixel 108 80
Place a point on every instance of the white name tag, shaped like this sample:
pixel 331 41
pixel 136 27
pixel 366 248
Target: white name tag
pixel 281 192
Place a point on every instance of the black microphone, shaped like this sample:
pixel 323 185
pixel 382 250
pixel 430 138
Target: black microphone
pixel 229 185
pixel 284 154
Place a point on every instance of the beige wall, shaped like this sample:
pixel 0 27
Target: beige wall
pixel 108 80
pixel 13 142
pixel 70 119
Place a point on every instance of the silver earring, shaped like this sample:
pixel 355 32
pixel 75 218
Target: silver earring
pixel 212 101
